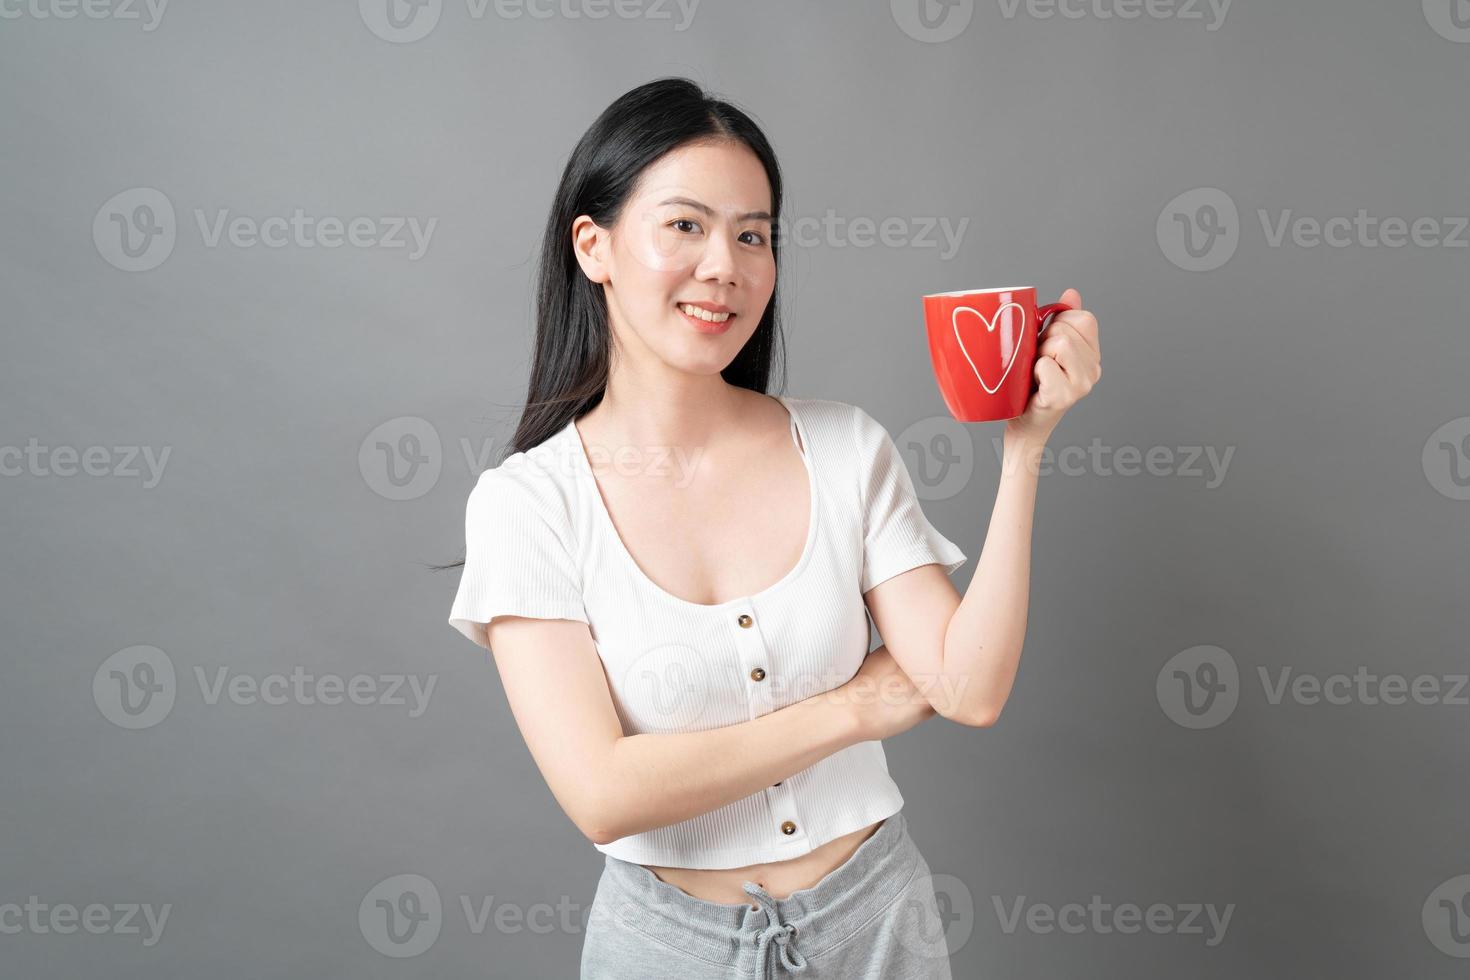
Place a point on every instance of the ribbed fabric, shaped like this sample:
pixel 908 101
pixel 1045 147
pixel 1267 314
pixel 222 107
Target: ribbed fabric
pixel 540 543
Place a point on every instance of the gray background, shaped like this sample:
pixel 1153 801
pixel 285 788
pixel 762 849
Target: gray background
pixel 1336 540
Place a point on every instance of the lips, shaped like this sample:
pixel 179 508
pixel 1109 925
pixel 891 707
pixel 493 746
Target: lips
pixel 704 326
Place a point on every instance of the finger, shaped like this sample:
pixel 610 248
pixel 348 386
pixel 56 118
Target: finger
pixel 1080 361
pixel 1061 328
pixel 1051 381
pixel 1072 298
pixel 1082 322
pixel 1073 360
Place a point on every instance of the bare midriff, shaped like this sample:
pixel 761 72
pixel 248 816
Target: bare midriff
pixel 779 878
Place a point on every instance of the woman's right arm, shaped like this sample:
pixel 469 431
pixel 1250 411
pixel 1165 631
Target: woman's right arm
pixel 613 785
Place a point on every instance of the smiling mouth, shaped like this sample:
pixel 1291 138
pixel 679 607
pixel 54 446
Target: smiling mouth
pixel 699 313
pixel 717 325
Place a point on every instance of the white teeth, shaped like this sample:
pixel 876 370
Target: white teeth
pixel 704 314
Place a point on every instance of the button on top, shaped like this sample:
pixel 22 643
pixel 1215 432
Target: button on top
pixel 759 674
pixel 788 828
pixel 744 621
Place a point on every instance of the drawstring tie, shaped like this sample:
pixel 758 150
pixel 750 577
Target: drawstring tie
pixel 782 933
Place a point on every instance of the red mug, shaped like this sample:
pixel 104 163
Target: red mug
pixel 982 343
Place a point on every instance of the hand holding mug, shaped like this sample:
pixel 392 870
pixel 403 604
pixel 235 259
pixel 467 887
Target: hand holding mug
pixel 1068 364
pixel 997 358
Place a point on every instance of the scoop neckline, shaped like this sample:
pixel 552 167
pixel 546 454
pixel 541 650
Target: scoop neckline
pixel 604 519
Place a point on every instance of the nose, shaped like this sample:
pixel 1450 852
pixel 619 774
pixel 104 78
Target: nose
pixel 718 263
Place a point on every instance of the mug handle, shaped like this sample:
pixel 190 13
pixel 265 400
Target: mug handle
pixel 1051 309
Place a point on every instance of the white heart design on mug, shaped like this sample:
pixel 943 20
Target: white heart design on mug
pixel 954 319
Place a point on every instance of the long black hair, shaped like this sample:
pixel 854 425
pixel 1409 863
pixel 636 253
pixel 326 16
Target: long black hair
pixel 569 368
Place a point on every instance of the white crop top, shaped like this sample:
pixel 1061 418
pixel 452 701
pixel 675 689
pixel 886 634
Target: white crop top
pixel 540 543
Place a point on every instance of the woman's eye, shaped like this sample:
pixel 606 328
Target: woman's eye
pixel 677 223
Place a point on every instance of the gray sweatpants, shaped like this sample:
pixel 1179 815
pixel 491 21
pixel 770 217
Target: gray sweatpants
pixel 874 917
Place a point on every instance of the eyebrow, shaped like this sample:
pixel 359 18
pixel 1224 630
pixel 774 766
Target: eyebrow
pixel 689 202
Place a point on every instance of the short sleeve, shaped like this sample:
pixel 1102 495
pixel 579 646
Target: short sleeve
pixel 896 534
pixel 517 560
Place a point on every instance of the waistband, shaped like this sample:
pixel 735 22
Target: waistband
pixel 810 920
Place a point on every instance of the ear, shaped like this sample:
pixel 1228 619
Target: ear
pixel 590 244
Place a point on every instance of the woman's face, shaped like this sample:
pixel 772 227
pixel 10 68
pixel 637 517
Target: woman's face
pixel 696 230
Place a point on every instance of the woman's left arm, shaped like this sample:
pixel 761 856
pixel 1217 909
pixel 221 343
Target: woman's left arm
pixel 963 653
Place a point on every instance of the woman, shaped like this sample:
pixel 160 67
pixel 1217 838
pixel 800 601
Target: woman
pixel 674 573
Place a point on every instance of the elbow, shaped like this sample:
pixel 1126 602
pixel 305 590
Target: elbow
pixel 598 819
pixel 598 833
pixel 973 715
pixel 598 836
